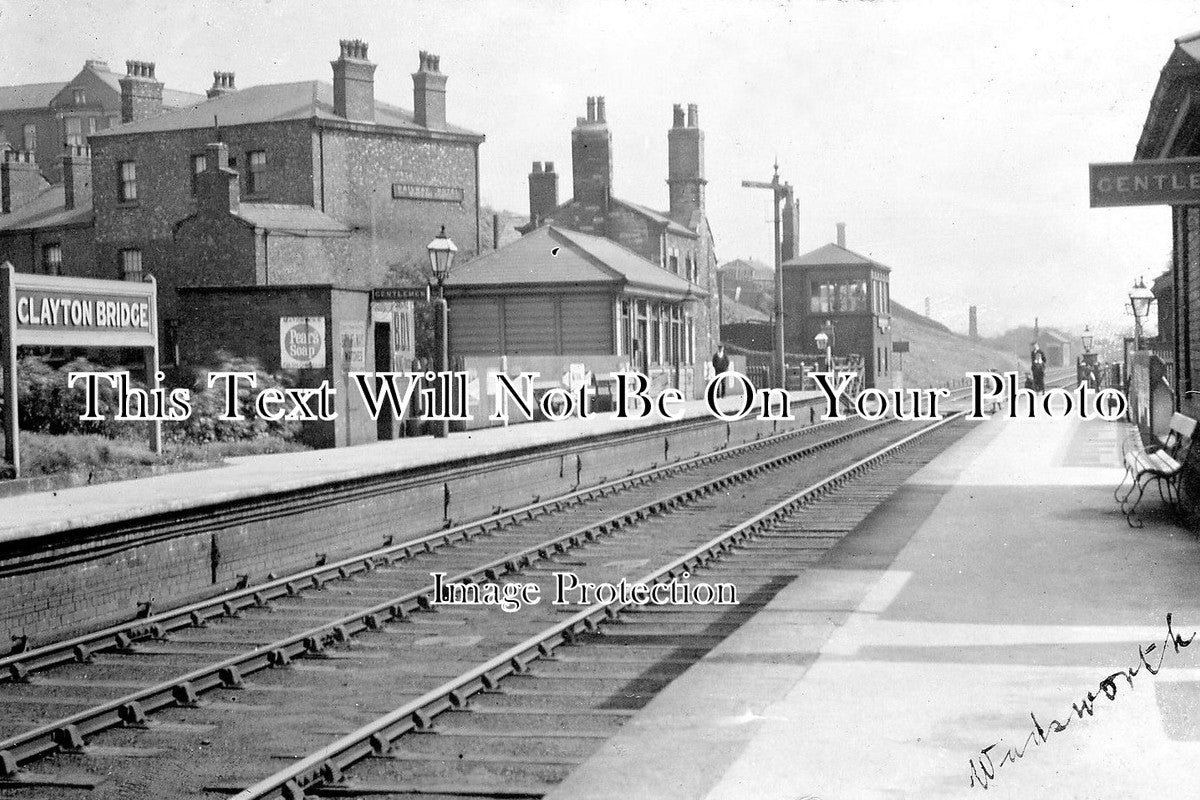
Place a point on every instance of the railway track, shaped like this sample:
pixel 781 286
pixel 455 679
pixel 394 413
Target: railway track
pixel 184 693
pixel 236 641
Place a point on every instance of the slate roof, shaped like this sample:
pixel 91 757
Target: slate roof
pixel 551 255
pixel 832 254
pixel 28 95
pixel 38 95
pixel 275 102
pixel 1175 82
pixel 285 218
pixel 659 217
pixel 733 311
pixel 46 211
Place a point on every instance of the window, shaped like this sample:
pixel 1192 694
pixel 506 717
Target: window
pixel 838 296
pixel 29 134
pixel 79 97
pixel 131 265
pixel 74 131
pixel 256 173
pixel 127 186
pixel 52 259
pixel 91 125
pixel 673 260
pixel 199 165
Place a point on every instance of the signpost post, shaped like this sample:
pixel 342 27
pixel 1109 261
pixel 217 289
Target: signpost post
pixel 72 312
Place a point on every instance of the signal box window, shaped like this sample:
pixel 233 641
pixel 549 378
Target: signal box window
pixel 131 265
pixel 52 259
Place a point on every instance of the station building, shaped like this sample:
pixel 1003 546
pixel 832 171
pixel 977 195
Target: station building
pixel 846 295
pixel 677 242
pixel 1172 130
pixel 557 298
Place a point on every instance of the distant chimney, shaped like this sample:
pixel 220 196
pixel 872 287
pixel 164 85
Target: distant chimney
pixel 429 93
pixel 685 167
pixel 20 180
pixel 141 94
pixel 841 236
pixel 972 323
pixel 543 192
pixel 217 187
pixel 222 84
pixel 790 232
pixel 77 176
pixel 591 157
pixel 354 82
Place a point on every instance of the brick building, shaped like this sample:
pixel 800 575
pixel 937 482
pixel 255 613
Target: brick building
pixel 43 118
pixel 678 240
pixel 847 295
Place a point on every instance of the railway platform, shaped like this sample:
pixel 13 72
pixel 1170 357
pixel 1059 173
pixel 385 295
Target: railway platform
pixel 976 608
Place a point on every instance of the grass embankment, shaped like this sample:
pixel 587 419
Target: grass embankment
pixel 938 357
pixel 98 458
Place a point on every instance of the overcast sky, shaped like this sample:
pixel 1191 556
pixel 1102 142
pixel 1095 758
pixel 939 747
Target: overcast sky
pixel 952 137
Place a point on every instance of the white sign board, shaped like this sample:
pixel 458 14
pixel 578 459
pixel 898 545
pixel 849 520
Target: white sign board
pixel 302 342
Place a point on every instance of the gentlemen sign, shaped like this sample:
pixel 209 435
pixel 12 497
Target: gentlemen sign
pixel 1165 182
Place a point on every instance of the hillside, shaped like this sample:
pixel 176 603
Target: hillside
pixel 938 356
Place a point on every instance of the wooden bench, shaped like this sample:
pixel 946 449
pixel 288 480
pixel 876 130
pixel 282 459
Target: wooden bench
pixel 1161 465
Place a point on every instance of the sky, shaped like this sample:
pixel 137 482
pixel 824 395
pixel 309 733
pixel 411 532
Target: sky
pixel 952 137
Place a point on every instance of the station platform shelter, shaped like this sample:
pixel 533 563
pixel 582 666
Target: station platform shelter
pixel 999 582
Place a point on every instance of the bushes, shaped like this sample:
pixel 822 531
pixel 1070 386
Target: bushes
pixel 45 404
pixel 207 404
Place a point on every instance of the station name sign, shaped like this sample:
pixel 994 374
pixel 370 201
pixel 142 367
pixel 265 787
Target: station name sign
pixel 426 191
pixel 63 311
pixel 1157 182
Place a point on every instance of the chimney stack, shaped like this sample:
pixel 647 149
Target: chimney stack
pixel 141 93
pixel 77 176
pixel 20 180
pixel 222 84
pixel 354 82
pixel 685 167
pixel 219 192
pixel 841 236
pixel 973 322
pixel 429 93
pixel 543 192
pixel 591 157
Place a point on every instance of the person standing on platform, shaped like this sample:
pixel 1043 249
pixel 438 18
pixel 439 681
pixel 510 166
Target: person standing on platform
pixel 720 363
pixel 1037 360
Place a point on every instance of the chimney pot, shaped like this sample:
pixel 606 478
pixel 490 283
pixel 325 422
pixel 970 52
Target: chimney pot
pixel 549 166
pixel 429 92
pixel 591 109
pixel 600 109
pixel 841 234
pixel 537 166
pixel 693 116
pixel 677 120
pixel 353 82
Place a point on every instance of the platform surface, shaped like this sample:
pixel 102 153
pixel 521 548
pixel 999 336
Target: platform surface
pixel 36 514
pixel 1000 581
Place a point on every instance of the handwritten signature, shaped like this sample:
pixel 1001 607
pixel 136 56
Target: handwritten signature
pixel 983 768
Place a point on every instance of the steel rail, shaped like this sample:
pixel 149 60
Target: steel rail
pixel 70 733
pixel 17 667
pixel 328 764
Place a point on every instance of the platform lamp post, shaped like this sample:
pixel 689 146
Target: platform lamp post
pixel 1087 340
pixel 823 341
pixel 441 258
pixel 1140 299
